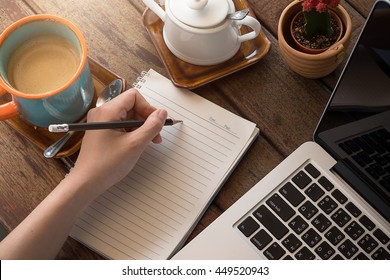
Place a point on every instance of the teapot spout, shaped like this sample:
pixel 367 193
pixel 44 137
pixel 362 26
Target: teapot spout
pixel 151 4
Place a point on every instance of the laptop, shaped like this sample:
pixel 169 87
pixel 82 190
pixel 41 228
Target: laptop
pixel 329 199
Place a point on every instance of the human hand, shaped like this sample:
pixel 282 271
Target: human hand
pixel 107 156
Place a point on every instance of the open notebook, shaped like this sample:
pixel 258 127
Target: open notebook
pixel 152 211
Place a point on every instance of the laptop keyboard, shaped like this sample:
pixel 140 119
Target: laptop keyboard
pixel 371 152
pixel 310 218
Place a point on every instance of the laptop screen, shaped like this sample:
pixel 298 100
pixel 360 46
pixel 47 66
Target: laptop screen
pixel 355 127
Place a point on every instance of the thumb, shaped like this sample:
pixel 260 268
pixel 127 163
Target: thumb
pixel 151 128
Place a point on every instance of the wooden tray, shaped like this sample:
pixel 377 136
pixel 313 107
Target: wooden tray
pixel 190 76
pixel 42 138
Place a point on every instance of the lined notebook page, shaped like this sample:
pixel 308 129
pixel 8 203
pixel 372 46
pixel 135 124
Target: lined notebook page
pixel 153 210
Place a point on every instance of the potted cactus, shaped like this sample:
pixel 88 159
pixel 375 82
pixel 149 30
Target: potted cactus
pixel 312 36
pixel 316 27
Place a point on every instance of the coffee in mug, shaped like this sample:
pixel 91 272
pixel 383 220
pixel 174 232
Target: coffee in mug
pixel 49 56
pixel 44 67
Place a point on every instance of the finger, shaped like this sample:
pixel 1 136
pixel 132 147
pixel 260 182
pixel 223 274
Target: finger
pixel 157 139
pixel 114 110
pixel 124 100
pixel 150 130
pixel 120 106
pixel 134 104
pixel 128 105
pixel 141 109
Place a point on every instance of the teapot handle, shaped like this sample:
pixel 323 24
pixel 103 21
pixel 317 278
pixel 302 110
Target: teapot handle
pixel 252 23
pixel 151 4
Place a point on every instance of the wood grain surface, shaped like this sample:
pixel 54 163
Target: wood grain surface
pixel 284 105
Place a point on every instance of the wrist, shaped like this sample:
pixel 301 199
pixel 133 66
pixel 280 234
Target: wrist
pixel 78 189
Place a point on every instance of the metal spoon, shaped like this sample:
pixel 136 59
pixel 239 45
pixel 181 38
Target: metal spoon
pixel 111 91
pixel 238 15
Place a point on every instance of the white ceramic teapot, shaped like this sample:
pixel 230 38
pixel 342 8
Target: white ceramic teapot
pixel 198 32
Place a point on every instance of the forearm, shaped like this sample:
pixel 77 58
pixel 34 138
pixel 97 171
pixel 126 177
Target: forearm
pixel 106 156
pixel 42 234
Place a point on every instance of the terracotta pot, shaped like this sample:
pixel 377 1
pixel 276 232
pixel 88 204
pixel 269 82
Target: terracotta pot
pixel 312 66
pixel 306 49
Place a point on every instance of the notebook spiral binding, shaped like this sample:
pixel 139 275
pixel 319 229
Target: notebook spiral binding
pixel 140 80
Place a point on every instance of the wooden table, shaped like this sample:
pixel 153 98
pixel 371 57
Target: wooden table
pixel 284 105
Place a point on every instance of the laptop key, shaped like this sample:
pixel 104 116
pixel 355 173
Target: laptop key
pixel 308 210
pixel 353 209
pixel 382 237
pixel 339 196
pixel 298 225
pixel 337 257
pixel 361 256
pixel 321 223
pixel 384 133
pixel 272 223
pixel 325 183
pixel 291 243
pixel 376 170
pixel 372 141
pixel 367 223
pixel 340 217
pixel 314 192
pixel 367 243
pixel 363 145
pixel 261 239
pixel 364 158
pixel 327 204
pixel 280 207
pixel 352 145
pixel 324 250
pixel 274 252
pixel 248 226
pixel 312 170
pixel 346 148
pixel 359 160
pixel 292 194
pixel 334 235
pixel 301 179
pixel 311 237
pixel 354 230
pixel 380 160
pixel 304 254
pixel 381 254
pixel 385 182
pixel 373 173
pixel 348 249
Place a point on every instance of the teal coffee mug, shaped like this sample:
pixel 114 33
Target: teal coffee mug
pixel 44 67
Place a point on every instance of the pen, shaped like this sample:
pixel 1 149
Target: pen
pixel 103 125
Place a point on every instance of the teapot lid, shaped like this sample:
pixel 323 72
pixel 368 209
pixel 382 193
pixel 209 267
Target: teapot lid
pixel 200 13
